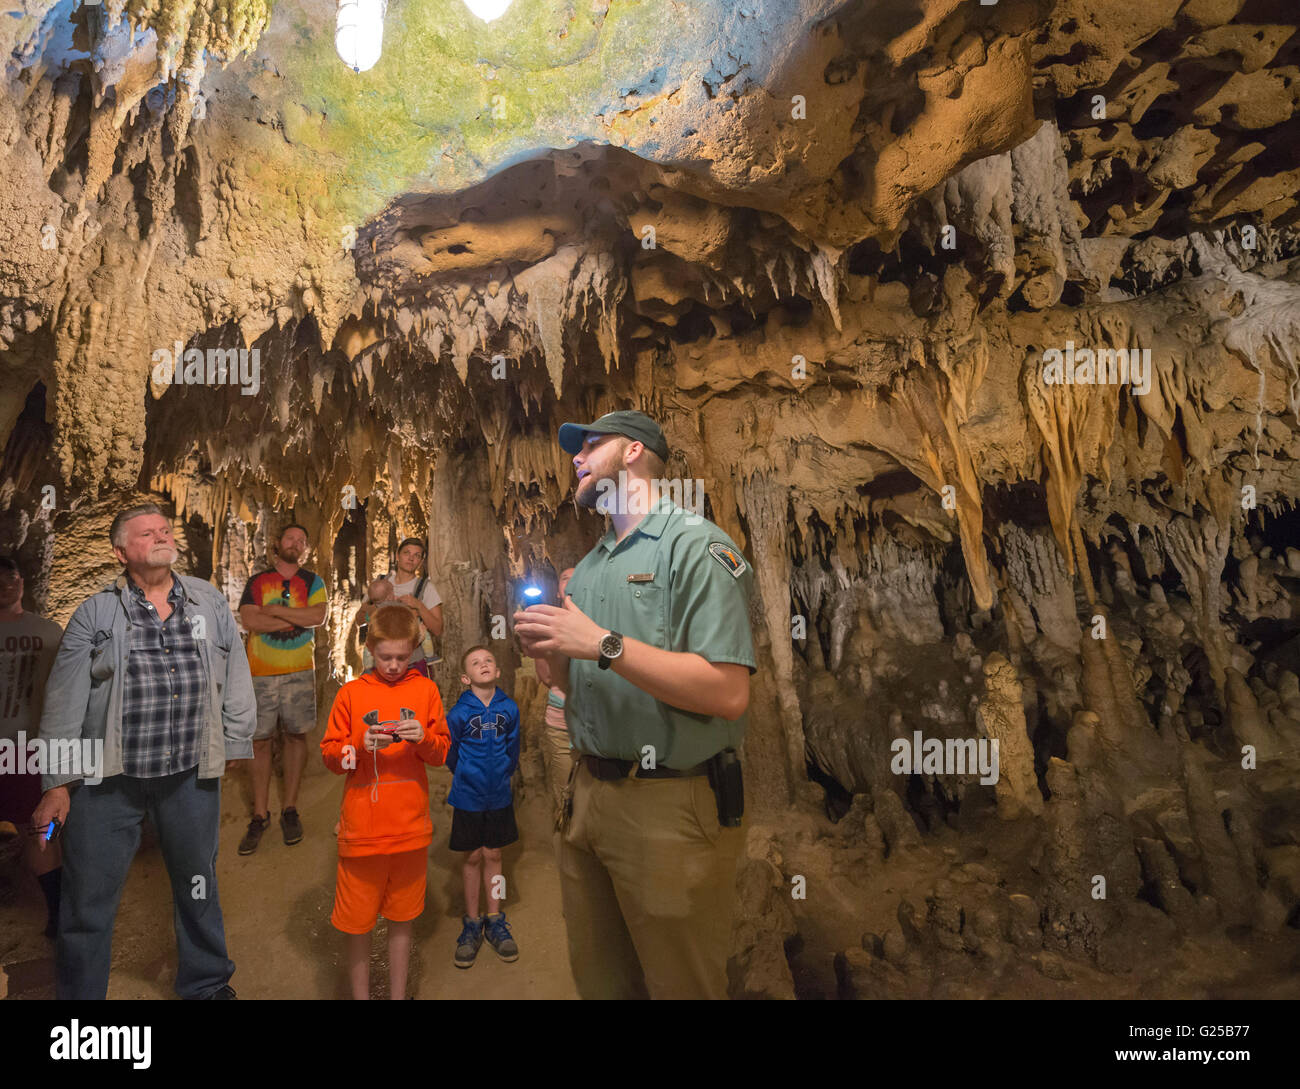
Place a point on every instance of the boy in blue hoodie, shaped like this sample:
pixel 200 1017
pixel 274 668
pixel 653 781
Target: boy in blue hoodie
pixel 484 727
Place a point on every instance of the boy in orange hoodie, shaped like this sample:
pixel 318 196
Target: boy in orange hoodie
pixel 385 727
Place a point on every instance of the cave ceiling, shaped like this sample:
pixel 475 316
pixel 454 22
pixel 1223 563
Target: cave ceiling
pixel 826 242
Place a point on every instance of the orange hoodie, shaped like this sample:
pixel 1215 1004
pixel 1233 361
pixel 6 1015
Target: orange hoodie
pixel 386 796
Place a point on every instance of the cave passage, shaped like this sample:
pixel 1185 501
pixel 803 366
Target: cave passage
pixel 954 352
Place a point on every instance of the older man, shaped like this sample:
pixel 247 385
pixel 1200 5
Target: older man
pixel 153 667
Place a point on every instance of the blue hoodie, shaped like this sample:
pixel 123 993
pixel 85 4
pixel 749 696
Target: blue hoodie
pixel 484 751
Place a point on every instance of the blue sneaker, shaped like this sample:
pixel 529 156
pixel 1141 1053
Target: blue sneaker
pixel 498 936
pixel 467 945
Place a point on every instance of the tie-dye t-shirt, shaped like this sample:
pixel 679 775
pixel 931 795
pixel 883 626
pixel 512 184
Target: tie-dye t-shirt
pixel 271 653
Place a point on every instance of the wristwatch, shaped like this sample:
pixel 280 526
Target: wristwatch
pixel 611 646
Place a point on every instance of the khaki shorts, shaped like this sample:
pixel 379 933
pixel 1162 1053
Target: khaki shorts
pixel 289 697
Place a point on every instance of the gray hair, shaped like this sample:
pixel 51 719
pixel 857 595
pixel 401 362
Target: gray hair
pixel 117 531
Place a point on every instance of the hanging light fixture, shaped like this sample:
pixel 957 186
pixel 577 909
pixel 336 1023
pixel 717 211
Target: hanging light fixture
pixel 487 10
pixel 359 32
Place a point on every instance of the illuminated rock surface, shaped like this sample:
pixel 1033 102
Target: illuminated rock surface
pixel 870 222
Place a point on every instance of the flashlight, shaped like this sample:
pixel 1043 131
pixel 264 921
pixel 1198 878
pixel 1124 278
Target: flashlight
pixel 526 595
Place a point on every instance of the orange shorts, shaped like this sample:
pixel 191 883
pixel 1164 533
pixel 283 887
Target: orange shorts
pixel 371 885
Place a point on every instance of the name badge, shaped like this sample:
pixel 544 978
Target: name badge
pixel 649 576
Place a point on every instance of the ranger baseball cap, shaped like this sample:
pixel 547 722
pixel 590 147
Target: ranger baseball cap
pixel 635 425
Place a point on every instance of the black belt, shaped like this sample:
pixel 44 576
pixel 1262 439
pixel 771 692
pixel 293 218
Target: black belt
pixel 607 768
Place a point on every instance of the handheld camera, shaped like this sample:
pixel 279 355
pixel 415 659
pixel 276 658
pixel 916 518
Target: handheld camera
pixel 389 727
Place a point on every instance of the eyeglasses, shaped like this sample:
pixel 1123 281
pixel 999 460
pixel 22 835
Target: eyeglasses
pixel 287 592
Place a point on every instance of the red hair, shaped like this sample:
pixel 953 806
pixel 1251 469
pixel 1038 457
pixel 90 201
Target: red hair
pixel 392 622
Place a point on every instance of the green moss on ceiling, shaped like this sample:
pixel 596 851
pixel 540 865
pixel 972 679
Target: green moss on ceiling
pixel 186 29
pixel 423 118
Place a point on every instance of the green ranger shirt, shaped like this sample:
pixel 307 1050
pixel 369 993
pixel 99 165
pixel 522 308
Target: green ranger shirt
pixel 679 586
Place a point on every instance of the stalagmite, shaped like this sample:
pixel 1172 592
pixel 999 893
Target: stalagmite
pixel 1248 726
pixel 1002 716
pixel 764 509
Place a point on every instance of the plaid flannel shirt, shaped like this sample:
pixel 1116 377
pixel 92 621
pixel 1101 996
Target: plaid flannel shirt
pixel 164 700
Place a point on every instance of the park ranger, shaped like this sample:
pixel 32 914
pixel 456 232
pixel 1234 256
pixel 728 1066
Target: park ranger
pixel 653 649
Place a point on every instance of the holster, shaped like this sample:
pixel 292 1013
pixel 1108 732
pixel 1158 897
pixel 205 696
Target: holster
pixel 728 784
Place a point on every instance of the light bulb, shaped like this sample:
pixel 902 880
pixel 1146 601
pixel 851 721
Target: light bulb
pixel 487 10
pixel 359 32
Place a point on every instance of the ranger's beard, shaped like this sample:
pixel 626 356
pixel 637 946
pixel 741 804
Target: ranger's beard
pixel 588 494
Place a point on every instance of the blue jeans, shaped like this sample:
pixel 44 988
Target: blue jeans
pixel 100 840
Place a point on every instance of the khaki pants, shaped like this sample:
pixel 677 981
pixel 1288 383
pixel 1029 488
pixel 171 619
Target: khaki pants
pixel 648 883
pixel 558 759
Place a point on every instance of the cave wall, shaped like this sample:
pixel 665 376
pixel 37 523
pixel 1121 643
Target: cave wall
pixel 827 245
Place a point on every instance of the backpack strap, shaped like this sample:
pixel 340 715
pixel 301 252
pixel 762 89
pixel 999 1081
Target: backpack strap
pixel 427 638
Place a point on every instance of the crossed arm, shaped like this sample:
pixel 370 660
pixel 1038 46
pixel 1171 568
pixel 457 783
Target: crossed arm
pixel 260 618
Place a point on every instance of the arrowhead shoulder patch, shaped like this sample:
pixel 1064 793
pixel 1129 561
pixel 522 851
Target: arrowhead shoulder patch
pixel 732 560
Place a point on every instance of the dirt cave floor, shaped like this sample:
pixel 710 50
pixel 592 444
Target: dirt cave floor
pixel 277 903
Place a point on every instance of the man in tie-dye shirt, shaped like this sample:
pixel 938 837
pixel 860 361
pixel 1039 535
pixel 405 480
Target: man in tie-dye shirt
pixel 280 607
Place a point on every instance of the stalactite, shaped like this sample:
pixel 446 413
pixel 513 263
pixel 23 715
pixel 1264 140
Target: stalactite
pixel 939 407
pixel 1198 550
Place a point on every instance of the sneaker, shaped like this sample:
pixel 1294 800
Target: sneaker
pixel 467 945
pixel 224 993
pixel 498 936
pixel 291 826
pixel 253 836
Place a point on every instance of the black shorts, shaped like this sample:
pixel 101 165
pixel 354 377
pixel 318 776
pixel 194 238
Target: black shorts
pixel 471 830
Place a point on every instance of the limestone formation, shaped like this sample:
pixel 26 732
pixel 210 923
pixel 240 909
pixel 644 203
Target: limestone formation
pixel 836 247
pixel 1002 717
